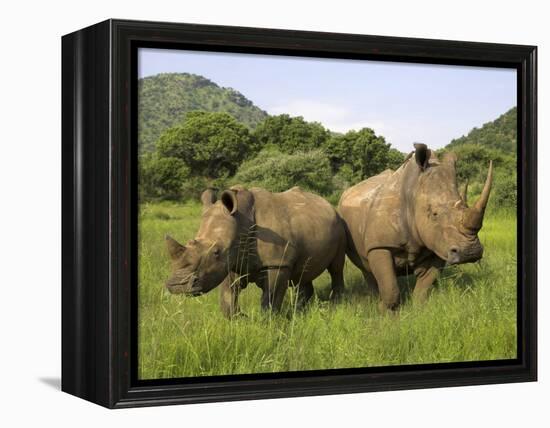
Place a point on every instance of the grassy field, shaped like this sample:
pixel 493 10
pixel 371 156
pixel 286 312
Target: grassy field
pixel 471 314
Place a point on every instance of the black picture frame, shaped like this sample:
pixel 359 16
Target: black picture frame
pixel 99 124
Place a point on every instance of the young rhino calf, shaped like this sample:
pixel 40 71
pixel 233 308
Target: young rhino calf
pixel 272 239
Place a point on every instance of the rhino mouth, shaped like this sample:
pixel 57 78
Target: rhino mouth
pixel 457 256
pixel 194 292
pixel 194 287
pixel 190 286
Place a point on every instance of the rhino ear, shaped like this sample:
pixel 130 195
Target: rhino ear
pixel 208 197
pixel 175 249
pixel 421 155
pixel 229 200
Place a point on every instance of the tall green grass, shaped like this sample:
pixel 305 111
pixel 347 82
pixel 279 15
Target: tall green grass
pixel 471 314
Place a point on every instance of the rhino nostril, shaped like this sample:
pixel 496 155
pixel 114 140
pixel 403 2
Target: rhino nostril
pixel 454 250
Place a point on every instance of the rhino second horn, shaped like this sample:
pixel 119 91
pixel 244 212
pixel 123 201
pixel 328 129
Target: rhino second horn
pixel 474 215
pixel 464 195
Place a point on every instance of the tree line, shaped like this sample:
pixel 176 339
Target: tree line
pixel 212 149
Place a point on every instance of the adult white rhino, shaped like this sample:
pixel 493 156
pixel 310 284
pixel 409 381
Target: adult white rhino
pixel 412 220
pixel 272 239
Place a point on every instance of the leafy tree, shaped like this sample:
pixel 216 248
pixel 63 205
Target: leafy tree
pixel 276 171
pixel 161 178
pixel 395 159
pixel 496 141
pixel 358 155
pixel 290 134
pixel 211 145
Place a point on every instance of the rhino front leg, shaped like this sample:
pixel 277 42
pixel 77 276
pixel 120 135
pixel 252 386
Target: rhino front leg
pixel 274 288
pixel 305 293
pixel 426 275
pixel 382 266
pixel 229 296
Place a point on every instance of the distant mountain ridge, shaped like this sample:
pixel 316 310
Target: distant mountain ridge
pixel 164 100
pixel 499 134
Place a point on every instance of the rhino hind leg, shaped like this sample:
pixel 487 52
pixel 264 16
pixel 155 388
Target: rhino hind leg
pixel 381 262
pixel 336 271
pixel 305 293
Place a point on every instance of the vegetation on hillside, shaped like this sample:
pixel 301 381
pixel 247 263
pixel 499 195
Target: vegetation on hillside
pixel 494 141
pixel 499 134
pixel 216 149
pixel 165 99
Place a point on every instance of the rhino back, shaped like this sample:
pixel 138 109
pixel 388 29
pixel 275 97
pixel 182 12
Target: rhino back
pixel 297 228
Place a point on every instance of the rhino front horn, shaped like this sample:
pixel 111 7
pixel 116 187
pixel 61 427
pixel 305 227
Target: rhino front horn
pixel 474 215
pixel 175 249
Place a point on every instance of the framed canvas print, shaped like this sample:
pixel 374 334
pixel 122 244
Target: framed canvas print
pixel 253 213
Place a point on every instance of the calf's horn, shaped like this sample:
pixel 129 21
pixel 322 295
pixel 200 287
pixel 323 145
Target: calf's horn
pixel 474 216
pixel 175 249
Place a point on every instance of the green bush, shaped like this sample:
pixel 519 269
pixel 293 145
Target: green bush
pixel 204 151
pixel 290 134
pixel 473 165
pixel 161 178
pixel 504 193
pixel 277 172
pixel 211 145
pixel 358 155
pixel 473 161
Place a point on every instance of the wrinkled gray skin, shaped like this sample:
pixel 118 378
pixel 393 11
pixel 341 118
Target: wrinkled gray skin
pixel 412 220
pixel 272 239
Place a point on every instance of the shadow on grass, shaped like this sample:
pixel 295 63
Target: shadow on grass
pixel 459 278
pixel 454 276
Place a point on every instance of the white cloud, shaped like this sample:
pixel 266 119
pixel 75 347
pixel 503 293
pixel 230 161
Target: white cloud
pixel 334 117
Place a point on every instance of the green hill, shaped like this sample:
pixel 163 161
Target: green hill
pixel 500 134
pixel 164 100
pixel 496 141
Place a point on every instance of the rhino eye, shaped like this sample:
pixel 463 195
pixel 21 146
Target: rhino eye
pixel 217 252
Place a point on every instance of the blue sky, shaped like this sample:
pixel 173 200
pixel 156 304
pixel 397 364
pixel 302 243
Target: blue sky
pixel 404 102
